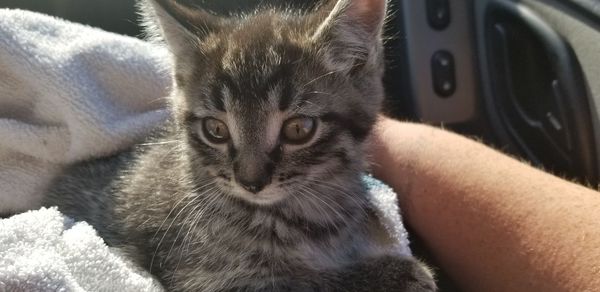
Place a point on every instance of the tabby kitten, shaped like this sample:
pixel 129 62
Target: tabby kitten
pixel 255 183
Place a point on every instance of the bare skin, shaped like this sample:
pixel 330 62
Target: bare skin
pixel 493 223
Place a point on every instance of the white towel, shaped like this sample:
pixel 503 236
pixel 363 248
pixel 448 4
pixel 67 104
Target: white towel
pixel 43 251
pixel 69 92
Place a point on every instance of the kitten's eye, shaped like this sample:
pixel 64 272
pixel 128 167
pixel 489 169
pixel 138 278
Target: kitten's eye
pixel 215 131
pixel 299 130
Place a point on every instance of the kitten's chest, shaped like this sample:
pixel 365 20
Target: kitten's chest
pixel 262 242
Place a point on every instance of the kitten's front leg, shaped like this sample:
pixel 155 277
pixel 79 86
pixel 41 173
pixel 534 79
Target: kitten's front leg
pixel 387 273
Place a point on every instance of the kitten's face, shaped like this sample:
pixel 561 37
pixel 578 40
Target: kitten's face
pixel 273 104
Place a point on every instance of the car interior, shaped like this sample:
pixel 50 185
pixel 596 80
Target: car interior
pixel 520 75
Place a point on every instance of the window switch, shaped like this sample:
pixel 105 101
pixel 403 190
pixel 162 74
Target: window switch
pixel 438 13
pixel 444 73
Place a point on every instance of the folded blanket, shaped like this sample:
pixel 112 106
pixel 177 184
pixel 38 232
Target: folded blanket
pixel 44 251
pixel 67 93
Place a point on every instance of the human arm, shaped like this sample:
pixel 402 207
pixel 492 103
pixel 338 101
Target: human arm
pixel 493 223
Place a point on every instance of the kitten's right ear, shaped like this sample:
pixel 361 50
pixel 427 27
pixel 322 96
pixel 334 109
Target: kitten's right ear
pixel 180 26
pixel 353 29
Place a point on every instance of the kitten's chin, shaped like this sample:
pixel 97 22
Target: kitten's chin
pixel 266 197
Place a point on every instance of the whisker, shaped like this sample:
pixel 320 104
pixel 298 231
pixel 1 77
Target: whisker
pixel 188 216
pixel 162 224
pixel 191 226
pixel 159 143
pixel 337 208
pixel 172 222
pixel 361 205
pixel 328 224
pixel 319 78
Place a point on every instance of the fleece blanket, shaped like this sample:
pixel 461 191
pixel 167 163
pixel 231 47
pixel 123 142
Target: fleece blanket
pixel 69 93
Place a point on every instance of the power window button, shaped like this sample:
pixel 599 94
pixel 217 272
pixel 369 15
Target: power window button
pixel 438 13
pixel 444 73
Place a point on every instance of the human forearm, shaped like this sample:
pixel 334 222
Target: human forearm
pixel 495 224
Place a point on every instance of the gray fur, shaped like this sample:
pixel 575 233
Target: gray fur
pixel 174 204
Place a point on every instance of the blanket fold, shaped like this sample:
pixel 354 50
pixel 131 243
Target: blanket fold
pixel 44 251
pixel 69 92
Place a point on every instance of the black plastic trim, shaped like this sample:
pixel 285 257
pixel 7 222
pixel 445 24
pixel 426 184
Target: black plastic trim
pixel 571 88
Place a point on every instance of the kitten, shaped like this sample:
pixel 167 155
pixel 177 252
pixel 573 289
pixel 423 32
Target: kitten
pixel 255 183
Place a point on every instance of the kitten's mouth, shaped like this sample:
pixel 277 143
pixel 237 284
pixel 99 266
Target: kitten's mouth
pixel 268 196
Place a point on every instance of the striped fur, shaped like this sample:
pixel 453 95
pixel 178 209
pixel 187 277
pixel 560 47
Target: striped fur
pixel 173 203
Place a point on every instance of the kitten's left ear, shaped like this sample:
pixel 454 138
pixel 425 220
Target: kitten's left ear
pixel 180 26
pixel 353 29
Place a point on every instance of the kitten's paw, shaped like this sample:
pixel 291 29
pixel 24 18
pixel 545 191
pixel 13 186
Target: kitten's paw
pixel 389 274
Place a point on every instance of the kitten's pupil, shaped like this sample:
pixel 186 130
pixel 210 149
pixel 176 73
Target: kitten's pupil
pixel 215 131
pixel 299 130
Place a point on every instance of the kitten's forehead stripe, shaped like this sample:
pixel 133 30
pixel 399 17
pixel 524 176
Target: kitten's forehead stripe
pixel 217 97
pixel 256 57
pixel 287 96
pixel 283 77
pixel 223 87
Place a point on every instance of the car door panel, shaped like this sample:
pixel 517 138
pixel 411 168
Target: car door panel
pixel 530 83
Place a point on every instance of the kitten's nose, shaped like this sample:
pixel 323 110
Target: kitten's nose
pixel 253 176
pixel 254 186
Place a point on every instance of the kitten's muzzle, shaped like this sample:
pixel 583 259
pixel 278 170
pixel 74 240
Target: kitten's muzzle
pixel 253 174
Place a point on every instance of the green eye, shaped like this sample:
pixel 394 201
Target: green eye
pixel 299 130
pixel 215 131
